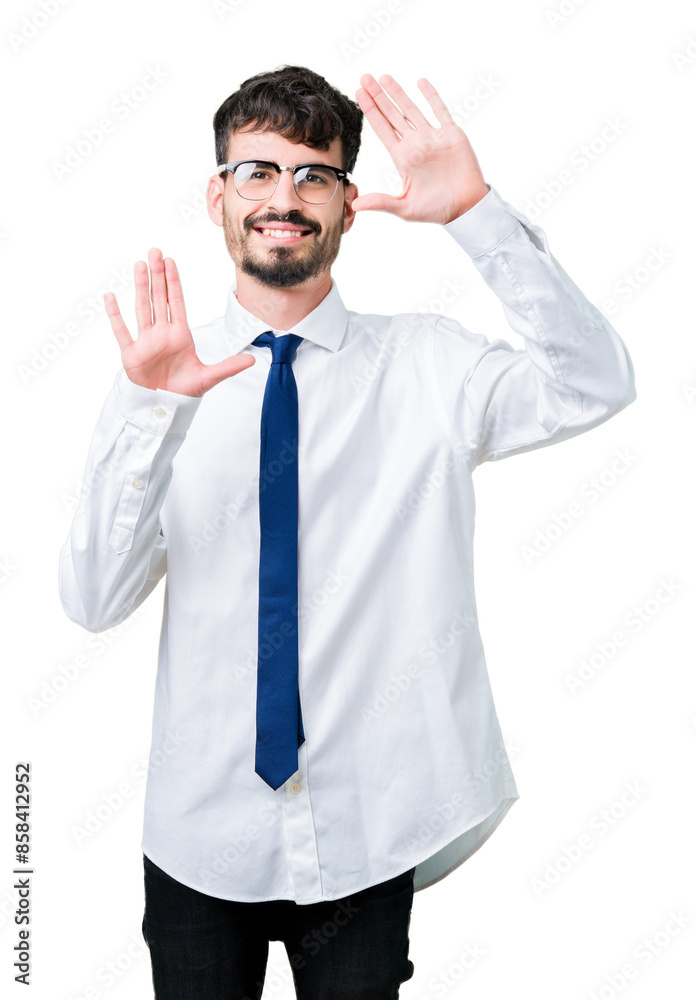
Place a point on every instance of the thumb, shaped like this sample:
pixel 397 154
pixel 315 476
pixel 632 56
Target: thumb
pixel 378 203
pixel 218 372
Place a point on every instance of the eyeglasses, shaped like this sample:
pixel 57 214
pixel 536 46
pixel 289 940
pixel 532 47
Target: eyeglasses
pixel 256 180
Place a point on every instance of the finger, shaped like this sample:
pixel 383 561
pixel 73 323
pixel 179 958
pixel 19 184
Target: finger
pixel 142 296
pixel 436 102
pixel 175 295
pixel 384 103
pixel 212 374
pixel 117 325
pixel 411 112
pixel 379 123
pixel 378 202
pixel 159 285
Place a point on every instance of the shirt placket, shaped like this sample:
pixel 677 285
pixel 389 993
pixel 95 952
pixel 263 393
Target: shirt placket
pixel 300 834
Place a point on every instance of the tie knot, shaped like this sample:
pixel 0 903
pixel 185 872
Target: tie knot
pixel 283 348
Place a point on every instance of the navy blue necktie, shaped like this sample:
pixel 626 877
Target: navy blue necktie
pixel 279 731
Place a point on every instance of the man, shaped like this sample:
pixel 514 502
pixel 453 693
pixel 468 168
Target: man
pixel 331 740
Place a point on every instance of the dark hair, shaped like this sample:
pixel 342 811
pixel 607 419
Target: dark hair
pixel 298 104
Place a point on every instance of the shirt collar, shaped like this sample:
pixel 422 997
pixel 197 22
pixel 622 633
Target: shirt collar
pixel 324 325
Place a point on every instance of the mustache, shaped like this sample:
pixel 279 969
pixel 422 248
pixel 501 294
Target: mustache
pixel 267 223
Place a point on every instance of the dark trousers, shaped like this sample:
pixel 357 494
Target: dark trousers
pixel 205 948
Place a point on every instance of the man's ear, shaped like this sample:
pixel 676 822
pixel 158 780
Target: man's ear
pixel 214 196
pixel 351 193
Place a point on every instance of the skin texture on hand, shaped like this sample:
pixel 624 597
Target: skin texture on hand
pixel 164 356
pixel 441 175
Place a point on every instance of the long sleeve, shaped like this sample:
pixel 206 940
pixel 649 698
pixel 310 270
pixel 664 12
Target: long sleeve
pixel 115 552
pixel 574 372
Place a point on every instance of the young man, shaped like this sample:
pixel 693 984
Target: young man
pixel 302 474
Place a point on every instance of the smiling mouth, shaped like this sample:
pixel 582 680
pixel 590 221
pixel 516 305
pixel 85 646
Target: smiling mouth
pixel 271 235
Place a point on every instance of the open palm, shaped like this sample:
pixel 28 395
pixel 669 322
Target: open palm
pixel 164 356
pixel 441 175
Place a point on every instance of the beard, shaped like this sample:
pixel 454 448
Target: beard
pixel 283 266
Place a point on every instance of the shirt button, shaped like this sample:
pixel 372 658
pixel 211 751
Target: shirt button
pixel 138 483
pixel 295 788
pixel 159 411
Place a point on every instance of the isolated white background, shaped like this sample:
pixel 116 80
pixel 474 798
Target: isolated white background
pixel 554 82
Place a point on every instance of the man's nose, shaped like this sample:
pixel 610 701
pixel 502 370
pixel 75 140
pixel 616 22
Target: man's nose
pixel 285 198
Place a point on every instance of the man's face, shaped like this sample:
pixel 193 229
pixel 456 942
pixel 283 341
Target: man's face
pixel 288 262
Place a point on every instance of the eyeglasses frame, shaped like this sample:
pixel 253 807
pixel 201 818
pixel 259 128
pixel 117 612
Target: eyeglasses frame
pixel 231 167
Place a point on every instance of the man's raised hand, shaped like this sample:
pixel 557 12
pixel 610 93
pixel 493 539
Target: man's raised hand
pixel 441 176
pixel 164 356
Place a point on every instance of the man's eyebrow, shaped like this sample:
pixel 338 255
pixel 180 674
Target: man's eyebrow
pixel 306 163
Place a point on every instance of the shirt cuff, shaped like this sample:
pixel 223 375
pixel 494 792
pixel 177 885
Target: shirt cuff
pixel 155 410
pixel 484 225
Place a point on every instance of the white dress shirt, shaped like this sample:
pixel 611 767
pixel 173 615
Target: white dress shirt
pixel 403 763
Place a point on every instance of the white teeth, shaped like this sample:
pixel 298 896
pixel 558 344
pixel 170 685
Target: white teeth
pixel 282 233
